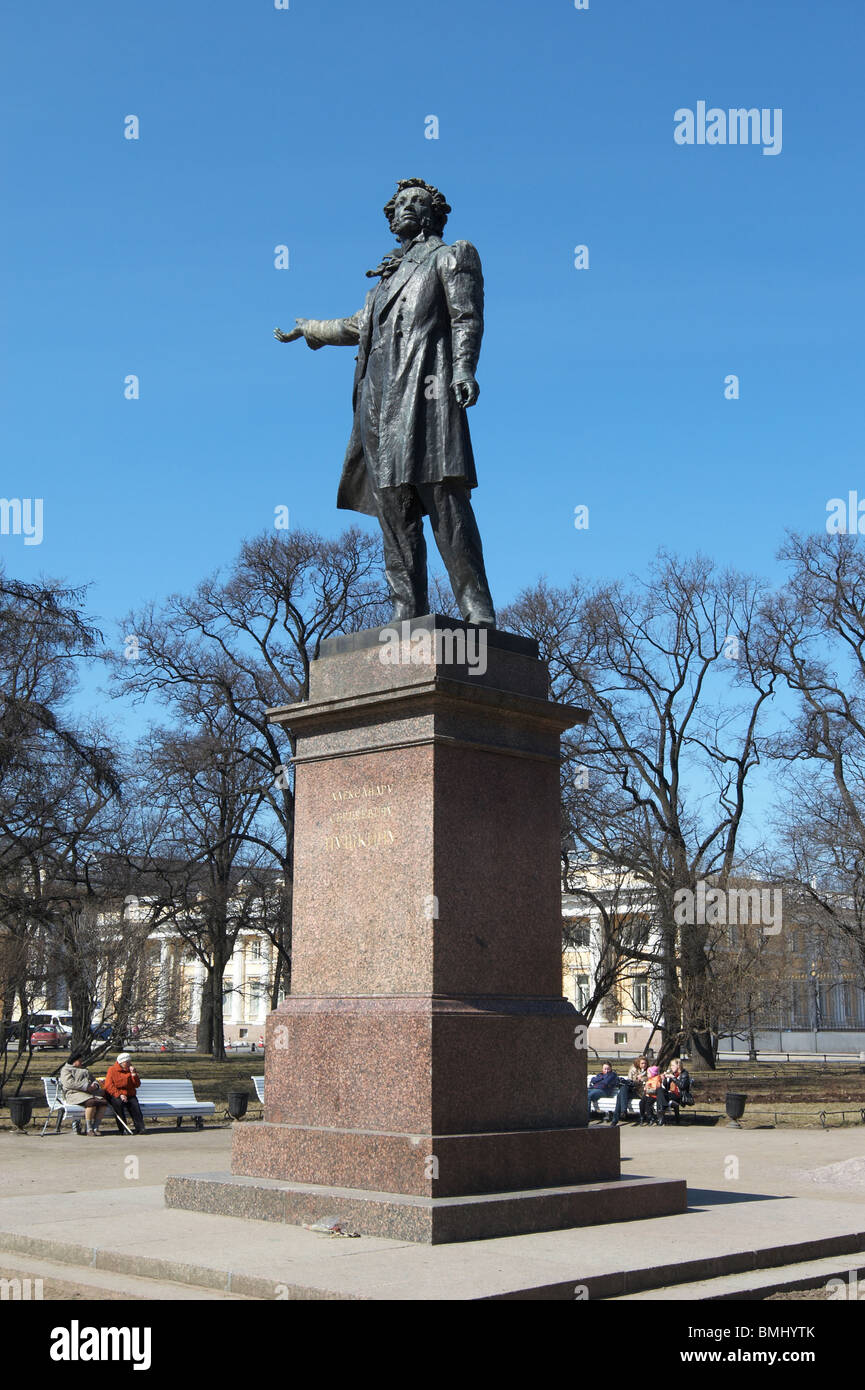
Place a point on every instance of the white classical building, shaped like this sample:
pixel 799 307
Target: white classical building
pixel 818 1006
pixel 624 1020
pixel 245 991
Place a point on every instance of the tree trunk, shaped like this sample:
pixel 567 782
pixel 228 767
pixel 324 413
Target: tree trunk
pixel 703 1043
pixel 669 1012
pixel 277 976
pixel 696 1019
pixel 204 1031
pixel 81 1002
pixel 24 1006
pixel 217 1045
pixel 123 1011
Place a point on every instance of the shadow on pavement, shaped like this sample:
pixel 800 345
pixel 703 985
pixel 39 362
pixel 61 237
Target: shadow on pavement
pixel 713 1197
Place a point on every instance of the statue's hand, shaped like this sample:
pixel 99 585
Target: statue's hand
pixel 289 337
pixel 466 391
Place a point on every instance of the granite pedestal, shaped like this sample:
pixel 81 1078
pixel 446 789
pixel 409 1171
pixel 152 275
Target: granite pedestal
pixel 425 1079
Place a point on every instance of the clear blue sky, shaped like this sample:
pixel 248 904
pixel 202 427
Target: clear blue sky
pixel 604 387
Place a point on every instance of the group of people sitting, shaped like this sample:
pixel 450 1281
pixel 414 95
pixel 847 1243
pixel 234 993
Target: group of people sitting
pixel 116 1092
pixel 658 1093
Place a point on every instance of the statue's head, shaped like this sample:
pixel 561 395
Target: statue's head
pixel 416 206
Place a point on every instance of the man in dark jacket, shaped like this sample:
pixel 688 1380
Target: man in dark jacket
pixel 410 454
pixel 605 1083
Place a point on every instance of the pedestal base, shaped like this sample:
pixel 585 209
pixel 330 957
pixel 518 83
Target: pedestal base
pixel 428 1220
pixel 425 1080
pixel 425 1165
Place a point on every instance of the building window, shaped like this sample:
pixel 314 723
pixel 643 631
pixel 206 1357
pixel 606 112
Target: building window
pixel 257 1000
pixel 636 933
pixel 640 994
pixel 581 991
pixel 619 1038
pixel 255 949
pixel 576 933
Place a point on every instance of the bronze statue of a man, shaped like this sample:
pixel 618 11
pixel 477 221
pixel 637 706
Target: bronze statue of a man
pixel 419 338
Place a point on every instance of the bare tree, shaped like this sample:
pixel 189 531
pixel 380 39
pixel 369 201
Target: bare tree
pixel 57 779
pixel 18 979
pixel 211 843
pixel 243 642
pixel 618 933
pixel 656 782
pixel 814 639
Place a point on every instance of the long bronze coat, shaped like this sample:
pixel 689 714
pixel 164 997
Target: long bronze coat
pixel 431 337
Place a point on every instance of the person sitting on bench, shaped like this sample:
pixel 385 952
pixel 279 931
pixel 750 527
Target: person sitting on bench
pixel 652 1104
pixel 603 1084
pixel 677 1087
pixel 80 1088
pixel 121 1083
pixel 631 1088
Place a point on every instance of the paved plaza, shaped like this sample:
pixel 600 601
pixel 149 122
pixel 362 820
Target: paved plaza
pixel 757 1198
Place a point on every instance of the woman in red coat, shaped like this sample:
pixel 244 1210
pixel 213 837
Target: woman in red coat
pixel 121 1083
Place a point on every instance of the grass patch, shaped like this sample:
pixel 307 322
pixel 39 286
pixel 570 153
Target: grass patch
pixel 778 1093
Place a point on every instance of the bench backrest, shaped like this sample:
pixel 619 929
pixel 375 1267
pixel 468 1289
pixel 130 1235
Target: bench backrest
pixel 52 1086
pixel 171 1090
pixel 258 1082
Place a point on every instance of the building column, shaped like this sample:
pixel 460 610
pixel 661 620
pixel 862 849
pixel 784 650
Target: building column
pixel 196 991
pixel 235 1011
pixel 164 977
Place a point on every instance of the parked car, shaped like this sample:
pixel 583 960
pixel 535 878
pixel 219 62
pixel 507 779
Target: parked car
pixel 101 1031
pixel 41 1039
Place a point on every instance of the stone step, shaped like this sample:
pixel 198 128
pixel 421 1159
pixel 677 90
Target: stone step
pixel 429 1220
pixel 760 1283
pixel 268 1261
pixel 69 1282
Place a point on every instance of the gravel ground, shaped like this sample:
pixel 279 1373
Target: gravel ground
pixel 810 1295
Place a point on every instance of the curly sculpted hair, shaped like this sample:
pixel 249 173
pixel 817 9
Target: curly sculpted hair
pixel 439 208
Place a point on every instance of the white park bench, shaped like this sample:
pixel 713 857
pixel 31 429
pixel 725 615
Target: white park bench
pixel 258 1082
pixel 55 1103
pixel 174 1097
pixel 605 1105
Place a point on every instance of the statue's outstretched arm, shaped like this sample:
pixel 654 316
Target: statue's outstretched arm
pixel 324 332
